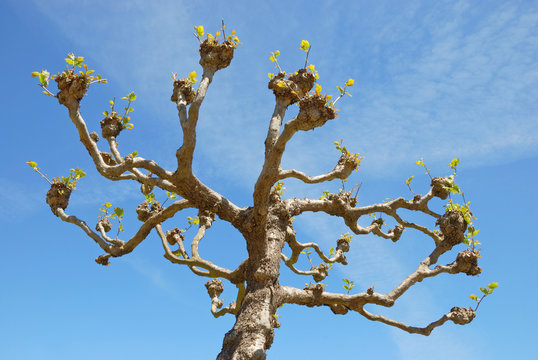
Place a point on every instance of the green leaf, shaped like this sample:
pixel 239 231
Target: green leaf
pixel 32 164
pixel 493 285
pixel 474 297
pixel 409 179
pixel 340 89
pixel 192 77
pixel 150 197
pixel 78 60
pixel 454 163
pixel 131 96
pixel 119 211
pixel 44 78
pixel 350 82
pixel 484 291
pixel 171 195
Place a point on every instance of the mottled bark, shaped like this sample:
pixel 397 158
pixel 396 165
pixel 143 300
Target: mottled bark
pixel 253 332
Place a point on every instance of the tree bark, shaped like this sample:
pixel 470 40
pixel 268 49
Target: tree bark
pixel 252 334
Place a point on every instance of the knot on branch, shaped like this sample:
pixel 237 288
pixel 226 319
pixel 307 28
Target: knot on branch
pixel 108 158
pixel 314 112
pixel 146 189
pixel 396 232
pixel 214 288
pixel 105 224
pixel 174 236
pixel 206 218
pixel 321 272
pixel 342 198
pixel 71 86
pixel 111 126
pixel 183 88
pixel 347 163
pixel 145 210
pixel 304 81
pixel 453 226
pixel 467 262
pixel 338 309
pixel 58 196
pixel 293 88
pixel 316 289
pixel 103 260
pixel 461 316
pixel 274 322
pixel 342 244
pixel 94 136
pixel 216 56
pixel 439 187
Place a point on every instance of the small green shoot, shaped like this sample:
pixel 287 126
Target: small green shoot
pixel 485 292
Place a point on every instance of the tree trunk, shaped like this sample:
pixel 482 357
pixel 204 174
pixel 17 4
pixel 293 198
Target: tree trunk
pixel 253 332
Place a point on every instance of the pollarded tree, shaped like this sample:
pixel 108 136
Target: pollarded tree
pixel 267 224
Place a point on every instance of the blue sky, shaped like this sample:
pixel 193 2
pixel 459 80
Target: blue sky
pixel 435 80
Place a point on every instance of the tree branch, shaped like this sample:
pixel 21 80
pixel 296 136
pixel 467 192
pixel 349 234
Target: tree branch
pixel 118 247
pixel 341 304
pixel 319 272
pixel 188 124
pixel 117 172
pixel 211 270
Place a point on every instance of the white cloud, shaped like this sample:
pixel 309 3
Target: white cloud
pixel 432 81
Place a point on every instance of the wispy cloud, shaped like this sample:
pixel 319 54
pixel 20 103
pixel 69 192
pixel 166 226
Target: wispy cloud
pixel 152 273
pixel 438 81
pixel 18 200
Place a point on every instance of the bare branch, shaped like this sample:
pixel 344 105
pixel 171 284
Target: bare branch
pixel 319 272
pixel 212 270
pixel 214 289
pixel 74 220
pixel 116 172
pixel 185 152
pixel 275 124
pixel 341 304
pixel 410 329
pixel 118 247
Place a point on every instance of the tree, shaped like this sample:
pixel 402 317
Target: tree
pixel 267 224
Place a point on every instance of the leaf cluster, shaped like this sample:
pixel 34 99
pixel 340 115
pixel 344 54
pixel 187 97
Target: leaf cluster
pixel 278 188
pixel 232 39
pixel 348 285
pixel 117 213
pixel 71 180
pixel 485 292
pixel 75 62
pixel 125 118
